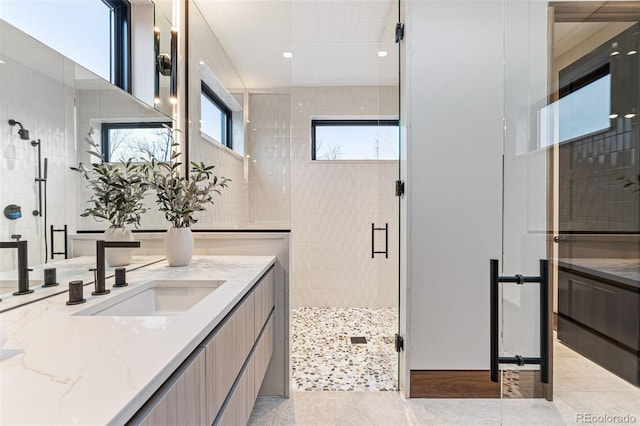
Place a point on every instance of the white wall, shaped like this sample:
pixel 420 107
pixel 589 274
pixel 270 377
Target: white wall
pixel 454 183
pixel 334 203
pixel 231 209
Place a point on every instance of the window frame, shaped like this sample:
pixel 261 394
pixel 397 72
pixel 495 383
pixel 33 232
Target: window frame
pixel 321 122
pixel 105 127
pixel 120 43
pixel 227 124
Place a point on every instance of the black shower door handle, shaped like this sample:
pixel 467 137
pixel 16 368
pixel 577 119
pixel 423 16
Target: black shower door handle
pixel 386 240
pixel 543 359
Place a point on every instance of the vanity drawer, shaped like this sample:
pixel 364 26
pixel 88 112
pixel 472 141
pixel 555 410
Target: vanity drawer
pixel 607 309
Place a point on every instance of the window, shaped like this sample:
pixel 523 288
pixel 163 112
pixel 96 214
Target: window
pixel 354 140
pixel 215 117
pixel 584 107
pixel 99 40
pixel 136 141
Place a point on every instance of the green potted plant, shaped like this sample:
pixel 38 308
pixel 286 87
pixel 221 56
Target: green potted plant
pixel 118 191
pixel 180 197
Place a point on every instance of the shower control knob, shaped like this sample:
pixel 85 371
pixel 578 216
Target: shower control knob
pixel 13 212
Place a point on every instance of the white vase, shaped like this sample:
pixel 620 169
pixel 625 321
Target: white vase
pixel 178 246
pixel 118 256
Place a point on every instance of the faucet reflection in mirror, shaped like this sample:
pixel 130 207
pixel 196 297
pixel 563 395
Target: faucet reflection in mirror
pixel 180 197
pixel 23 263
pixel 118 192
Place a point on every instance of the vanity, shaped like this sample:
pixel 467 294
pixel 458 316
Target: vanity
pixel 116 359
pixel 599 312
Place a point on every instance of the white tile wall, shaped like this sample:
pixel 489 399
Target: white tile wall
pixel 333 206
pixel 45 107
pixel 269 163
pixel 231 209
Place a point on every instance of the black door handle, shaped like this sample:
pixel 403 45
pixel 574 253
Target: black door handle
pixel 543 359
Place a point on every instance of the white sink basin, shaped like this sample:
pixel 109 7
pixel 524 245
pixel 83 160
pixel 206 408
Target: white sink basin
pixel 155 298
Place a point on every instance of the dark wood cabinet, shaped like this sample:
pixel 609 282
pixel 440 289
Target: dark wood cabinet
pixel 600 319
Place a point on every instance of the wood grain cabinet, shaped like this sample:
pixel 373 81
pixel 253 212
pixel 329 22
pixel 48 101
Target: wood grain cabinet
pixel 226 353
pixel 239 401
pixel 182 401
pixel 220 381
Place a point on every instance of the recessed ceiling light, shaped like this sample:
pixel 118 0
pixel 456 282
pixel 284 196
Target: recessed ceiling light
pixel 614 115
pixel 632 52
pixel 615 53
pixel 287 55
pixel 2 62
pixel 630 115
pixel 382 53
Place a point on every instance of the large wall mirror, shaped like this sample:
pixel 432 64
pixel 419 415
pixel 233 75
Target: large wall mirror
pixel 50 104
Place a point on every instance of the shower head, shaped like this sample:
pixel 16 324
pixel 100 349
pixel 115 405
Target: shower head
pixel 24 133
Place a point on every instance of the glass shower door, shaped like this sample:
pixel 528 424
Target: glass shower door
pixel 344 103
pixel 571 147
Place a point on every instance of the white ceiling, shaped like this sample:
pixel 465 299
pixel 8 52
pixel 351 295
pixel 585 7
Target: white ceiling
pixel 334 43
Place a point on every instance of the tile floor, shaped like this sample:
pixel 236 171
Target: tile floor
pixel 580 388
pixel 323 358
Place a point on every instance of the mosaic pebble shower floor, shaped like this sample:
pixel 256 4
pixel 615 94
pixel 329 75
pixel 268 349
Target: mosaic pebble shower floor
pixel 324 359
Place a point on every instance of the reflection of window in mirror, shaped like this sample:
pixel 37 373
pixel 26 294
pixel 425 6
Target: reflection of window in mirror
pixel 591 121
pixel 87 41
pixel 136 141
pixel 215 117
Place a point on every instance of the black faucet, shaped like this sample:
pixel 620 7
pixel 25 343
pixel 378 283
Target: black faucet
pixel 23 264
pixel 100 268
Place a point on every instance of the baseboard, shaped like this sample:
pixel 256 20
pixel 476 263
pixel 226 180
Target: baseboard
pixel 453 384
pixel 475 384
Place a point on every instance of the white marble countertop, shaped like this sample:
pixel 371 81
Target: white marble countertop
pixel 76 268
pixel 57 368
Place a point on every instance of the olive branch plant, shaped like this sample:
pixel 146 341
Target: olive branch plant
pixel 180 196
pixel 118 189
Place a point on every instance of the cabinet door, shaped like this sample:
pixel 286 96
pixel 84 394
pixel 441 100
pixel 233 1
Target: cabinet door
pixel 610 310
pixel 226 354
pixel 183 403
pixel 238 410
pixel 165 412
pixel 262 354
pixel 190 389
pixel 265 300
